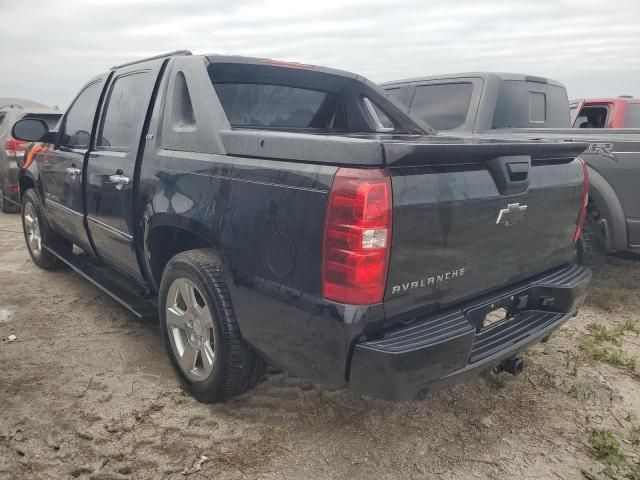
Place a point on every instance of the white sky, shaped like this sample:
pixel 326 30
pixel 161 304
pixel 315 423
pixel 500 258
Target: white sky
pixel 49 49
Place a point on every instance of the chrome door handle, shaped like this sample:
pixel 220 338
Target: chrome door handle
pixel 119 180
pixel 73 171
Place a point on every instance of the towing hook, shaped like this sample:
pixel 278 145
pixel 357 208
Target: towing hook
pixel 512 365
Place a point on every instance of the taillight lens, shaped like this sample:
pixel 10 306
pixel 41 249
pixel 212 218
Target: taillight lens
pixel 357 236
pixel 585 199
pixel 14 148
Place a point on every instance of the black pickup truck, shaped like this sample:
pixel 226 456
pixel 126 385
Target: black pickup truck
pixel 280 212
pixel 499 105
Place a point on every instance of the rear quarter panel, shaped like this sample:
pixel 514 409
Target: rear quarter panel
pixel 264 218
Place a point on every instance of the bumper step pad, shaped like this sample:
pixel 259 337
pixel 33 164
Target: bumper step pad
pixel 503 335
pixel 412 360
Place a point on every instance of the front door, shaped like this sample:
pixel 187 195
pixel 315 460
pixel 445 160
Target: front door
pixel 63 165
pixel 111 164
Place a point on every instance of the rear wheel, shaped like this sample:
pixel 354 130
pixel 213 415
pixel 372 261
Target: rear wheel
pixel 38 232
pixel 200 331
pixel 592 245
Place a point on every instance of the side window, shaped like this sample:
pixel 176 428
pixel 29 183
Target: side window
pixel 1 119
pixel 443 106
pixel 632 118
pixel 78 123
pixel 125 111
pixel 382 122
pixel 581 121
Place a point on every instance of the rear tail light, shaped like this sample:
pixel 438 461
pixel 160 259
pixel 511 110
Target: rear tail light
pixel 585 199
pixel 14 148
pixel 357 236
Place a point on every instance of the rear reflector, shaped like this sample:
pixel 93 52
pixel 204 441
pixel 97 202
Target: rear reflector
pixel 357 236
pixel 585 199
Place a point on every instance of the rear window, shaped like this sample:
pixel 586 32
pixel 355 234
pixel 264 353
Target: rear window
pixel 632 118
pixel 397 93
pixel 537 107
pixel 530 104
pixel 443 106
pixel 51 120
pixel 280 107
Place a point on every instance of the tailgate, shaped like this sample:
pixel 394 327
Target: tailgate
pixel 471 216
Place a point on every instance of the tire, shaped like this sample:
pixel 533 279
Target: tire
pixel 207 351
pixel 6 205
pixel 38 232
pixel 592 245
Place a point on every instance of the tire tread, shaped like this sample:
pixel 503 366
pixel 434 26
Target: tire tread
pixel 243 368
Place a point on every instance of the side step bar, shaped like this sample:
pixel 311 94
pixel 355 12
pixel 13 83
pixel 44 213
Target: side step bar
pixel 126 292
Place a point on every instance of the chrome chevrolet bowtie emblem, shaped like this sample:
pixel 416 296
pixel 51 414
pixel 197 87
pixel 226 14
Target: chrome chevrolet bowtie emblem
pixel 511 215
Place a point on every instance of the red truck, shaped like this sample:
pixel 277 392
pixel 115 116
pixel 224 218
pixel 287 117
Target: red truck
pixel 617 112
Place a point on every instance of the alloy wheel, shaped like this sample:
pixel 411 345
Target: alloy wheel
pixel 32 229
pixel 190 327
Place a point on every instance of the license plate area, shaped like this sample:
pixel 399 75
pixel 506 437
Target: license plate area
pixel 495 317
pixel 497 312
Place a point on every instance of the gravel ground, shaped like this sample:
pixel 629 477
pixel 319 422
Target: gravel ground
pixel 87 392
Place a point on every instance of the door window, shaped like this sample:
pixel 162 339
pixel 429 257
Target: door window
pixel 79 121
pixel 592 117
pixel 125 111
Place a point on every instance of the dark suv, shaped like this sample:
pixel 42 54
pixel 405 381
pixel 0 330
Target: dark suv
pixel 291 213
pixel 12 150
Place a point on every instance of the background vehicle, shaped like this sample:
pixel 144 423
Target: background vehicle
pixel 522 106
pixel 12 150
pixel 620 112
pixel 292 213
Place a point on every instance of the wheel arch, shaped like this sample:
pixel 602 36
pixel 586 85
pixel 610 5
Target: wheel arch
pixel 26 182
pixel 30 178
pixel 168 236
pixel 603 198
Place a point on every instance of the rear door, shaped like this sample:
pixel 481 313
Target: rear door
pixel 111 165
pixel 62 167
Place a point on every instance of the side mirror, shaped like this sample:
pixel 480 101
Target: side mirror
pixel 30 130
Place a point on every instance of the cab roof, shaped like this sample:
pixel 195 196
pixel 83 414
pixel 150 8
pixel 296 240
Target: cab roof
pixel 483 75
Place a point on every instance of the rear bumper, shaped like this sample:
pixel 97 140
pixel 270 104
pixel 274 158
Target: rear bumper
pixel 411 361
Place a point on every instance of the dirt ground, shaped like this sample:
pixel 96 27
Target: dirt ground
pixel 86 391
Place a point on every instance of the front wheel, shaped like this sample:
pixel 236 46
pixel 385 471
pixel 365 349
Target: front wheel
pixel 38 233
pixel 200 332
